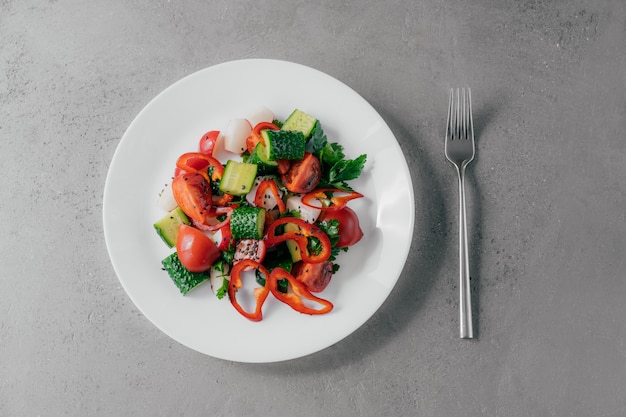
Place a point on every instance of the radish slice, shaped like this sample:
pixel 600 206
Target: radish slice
pixel 166 199
pixel 236 134
pixel 260 114
pixel 220 153
pixel 308 214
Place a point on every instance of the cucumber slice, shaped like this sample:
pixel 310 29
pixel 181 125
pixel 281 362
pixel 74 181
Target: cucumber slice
pixel 184 279
pixel 282 144
pixel 264 166
pixel 247 223
pixel 300 121
pixel 167 227
pixel 238 177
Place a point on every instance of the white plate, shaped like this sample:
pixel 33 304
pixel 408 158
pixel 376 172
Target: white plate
pixel 172 124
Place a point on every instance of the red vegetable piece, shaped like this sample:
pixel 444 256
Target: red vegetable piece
pixel 306 231
pixel 260 293
pixel 298 294
pixel 196 251
pixel 331 198
pixel 303 176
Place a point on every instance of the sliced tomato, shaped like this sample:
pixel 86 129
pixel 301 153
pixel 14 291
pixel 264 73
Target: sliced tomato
pixel 196 251
pixel 349 228
pixel 192 193
pixel 207 142
pixel 283 166
pixel 315 276
pixel 303 176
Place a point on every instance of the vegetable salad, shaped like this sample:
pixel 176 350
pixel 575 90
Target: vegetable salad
pixel 261 208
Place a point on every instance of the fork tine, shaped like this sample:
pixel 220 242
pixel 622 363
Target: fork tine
pixel 460 123
pixel 461 100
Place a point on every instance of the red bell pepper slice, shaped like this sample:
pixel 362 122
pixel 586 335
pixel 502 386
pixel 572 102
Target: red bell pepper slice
pixel 269 185
pixel 301 237
pixel 260 293
pixel 191 161
pixel 299 292
pixel 331 198
pixel 211 223
pixel 255 137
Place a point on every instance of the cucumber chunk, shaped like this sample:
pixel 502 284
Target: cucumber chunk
pixel 300 121
pixel 184 279
pixel 238 177
pixel 247 223
pixel 264 166
pixel 282 144
pixel 167 227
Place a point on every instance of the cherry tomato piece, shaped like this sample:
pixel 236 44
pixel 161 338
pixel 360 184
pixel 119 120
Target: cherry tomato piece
pixel 207 142
pixel 315 276
pixel 303 176
pixel 196 251
pixel 283 166
pixel 349 228
pixel 192 193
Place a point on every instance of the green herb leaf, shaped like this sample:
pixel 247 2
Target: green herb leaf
pixel 317 141
pixel 331 228
pixel 331 154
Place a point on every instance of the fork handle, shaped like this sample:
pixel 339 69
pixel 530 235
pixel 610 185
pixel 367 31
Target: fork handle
pixel 465 301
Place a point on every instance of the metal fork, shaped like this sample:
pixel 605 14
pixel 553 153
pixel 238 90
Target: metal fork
pixel 459 149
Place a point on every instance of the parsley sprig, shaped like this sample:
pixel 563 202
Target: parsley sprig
pixel 336 169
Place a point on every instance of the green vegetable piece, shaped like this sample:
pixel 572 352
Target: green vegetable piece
pixel 247 222
pixel 167 227
pixel 282 144
pixel 238 177
pixel 300 121
pixel 184 279
pixel 264 166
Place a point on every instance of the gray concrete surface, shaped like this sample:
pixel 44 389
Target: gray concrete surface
pixel 547 195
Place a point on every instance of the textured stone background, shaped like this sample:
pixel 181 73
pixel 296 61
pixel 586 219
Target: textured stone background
pixel 547 206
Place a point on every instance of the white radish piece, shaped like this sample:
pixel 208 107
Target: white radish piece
pixel 235 135
pixel 308 214
pixel 269 202
pixel 260 114
pixel 219 152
